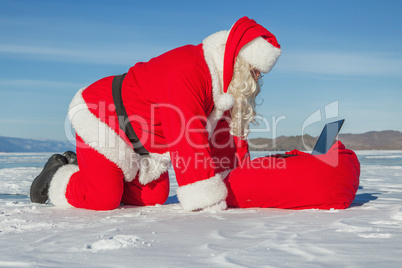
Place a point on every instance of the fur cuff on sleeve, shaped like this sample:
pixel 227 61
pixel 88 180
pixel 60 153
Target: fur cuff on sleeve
pixel 202 194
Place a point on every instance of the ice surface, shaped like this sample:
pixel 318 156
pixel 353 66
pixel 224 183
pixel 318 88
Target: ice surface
pixel 368 234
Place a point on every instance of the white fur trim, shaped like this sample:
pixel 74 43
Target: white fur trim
pixel 260 54
pixel 202 194
pixel 226 101
pixel 214 52
pixel 107 142
pixel 58 185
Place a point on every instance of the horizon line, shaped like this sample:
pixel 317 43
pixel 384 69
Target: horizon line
pixel 67 140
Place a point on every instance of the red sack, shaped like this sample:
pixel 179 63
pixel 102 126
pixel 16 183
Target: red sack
pixel 303 181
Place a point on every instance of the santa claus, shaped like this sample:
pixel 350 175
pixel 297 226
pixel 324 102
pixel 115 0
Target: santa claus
pixel 189 107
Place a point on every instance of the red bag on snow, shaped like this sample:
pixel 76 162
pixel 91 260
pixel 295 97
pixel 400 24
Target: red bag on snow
pixel 303 181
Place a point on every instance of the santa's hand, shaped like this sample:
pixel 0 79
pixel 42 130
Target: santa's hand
pixel 216 207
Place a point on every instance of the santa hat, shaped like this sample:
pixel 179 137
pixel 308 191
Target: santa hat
pixel 254 44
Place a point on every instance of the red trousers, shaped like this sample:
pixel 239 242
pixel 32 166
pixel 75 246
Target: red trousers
pixel 99 184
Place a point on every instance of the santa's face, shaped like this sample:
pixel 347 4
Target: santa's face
pixel 256 74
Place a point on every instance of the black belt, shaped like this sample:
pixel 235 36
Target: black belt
pixel 124 121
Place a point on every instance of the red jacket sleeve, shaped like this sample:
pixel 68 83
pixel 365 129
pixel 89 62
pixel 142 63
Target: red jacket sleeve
pixel 229 151
pixel 242 152
pixel 182 108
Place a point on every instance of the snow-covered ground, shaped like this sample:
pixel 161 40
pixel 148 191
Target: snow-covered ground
pixel 368 234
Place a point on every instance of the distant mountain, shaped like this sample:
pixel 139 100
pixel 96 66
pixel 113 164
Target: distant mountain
pixel 8 144
pixel 373 140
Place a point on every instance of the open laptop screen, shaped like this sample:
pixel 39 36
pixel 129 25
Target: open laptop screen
pixel 327 137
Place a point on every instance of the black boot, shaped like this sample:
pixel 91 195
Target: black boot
pixel 40 186
pixel 71 157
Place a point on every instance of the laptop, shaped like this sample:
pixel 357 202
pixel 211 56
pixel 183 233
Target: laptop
pixel 325 140
pixel 327 137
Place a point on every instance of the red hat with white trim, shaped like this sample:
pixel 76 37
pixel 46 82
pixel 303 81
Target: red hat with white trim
pixel 254 44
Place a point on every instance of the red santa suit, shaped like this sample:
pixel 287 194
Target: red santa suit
pixel 177 106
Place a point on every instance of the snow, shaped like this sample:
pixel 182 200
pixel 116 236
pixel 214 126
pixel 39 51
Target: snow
pixel 368 234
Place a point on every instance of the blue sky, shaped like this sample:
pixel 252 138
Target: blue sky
pixel 340 59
